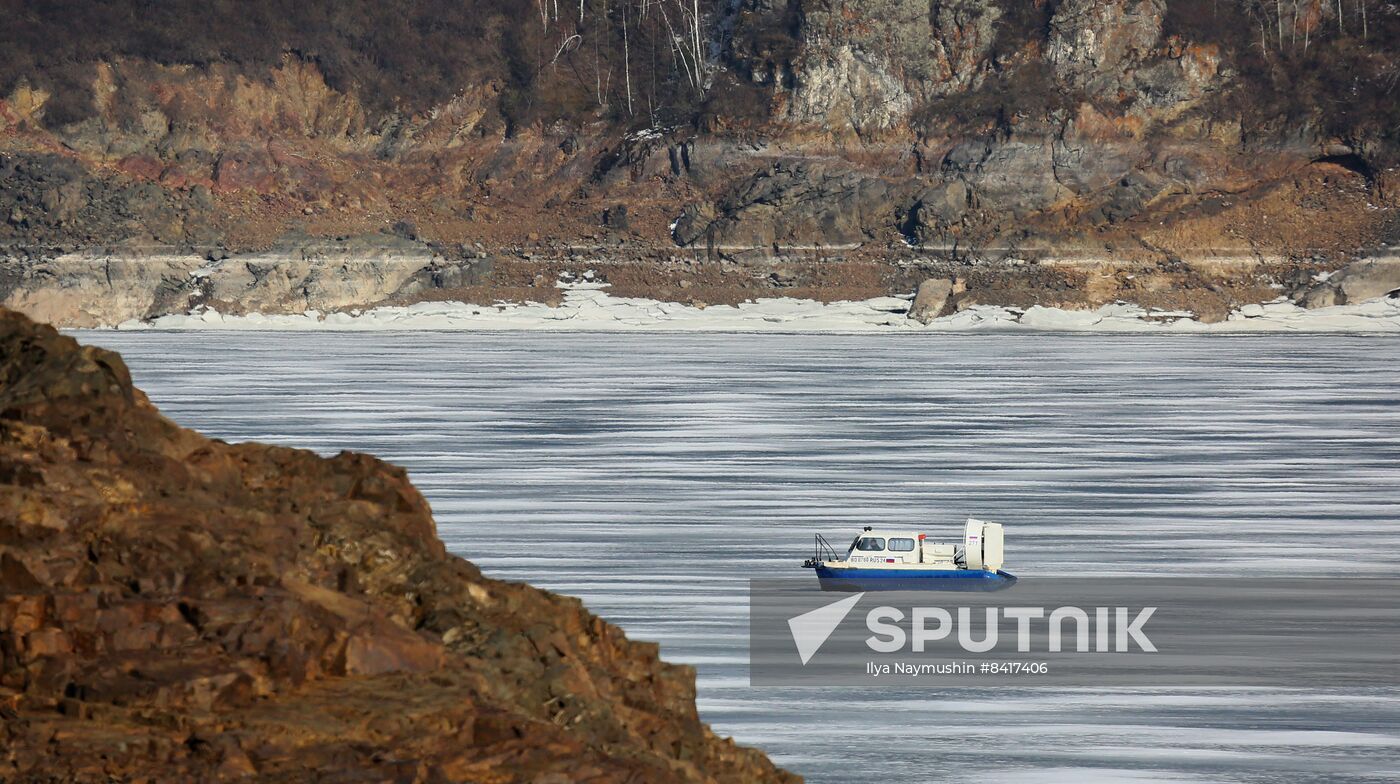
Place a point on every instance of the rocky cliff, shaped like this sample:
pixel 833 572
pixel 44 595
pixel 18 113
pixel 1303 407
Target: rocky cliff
pixel 175 608
pixel 1224 145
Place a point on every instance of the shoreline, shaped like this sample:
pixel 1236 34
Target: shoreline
pixel 589 308
pixel 411 286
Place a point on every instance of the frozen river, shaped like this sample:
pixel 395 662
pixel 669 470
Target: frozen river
pixel 681 465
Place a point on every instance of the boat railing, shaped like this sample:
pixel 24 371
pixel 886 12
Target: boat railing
pixel 822 550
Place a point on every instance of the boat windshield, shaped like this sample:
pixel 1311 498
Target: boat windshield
pixel 870 543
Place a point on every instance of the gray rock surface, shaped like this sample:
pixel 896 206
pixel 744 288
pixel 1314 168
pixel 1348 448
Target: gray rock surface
pixel 1094 43
pixel 1018 173
pixel 854 53
pixel 793 204
pixel 108 286
pixel 932 300
pixel 1114 50
pixel 867 64
pixel 96 287
pixel 962 33
pixel 848 86
pixel 938 208
pixel 1359 281
pixel 44 195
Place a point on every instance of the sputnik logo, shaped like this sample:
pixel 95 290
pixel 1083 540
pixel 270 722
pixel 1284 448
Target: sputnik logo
pixel 810 630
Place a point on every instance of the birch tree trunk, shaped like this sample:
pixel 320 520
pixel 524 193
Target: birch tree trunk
pixel 627 57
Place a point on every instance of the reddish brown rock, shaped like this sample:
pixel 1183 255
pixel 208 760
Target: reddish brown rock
pixel 176 608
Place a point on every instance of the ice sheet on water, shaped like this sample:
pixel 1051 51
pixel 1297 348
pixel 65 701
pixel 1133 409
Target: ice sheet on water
pixel 679 465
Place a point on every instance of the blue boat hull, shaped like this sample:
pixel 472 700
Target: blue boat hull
pixel 857 579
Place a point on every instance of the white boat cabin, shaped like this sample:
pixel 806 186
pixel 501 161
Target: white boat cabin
pixel 982 547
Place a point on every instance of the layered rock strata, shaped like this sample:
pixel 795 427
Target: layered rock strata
pixel 790 134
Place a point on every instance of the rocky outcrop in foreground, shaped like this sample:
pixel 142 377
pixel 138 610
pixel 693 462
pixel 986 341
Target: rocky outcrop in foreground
pixel 177 608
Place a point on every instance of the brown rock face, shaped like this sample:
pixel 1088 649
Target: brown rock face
pixel 225 126
pixel 176 608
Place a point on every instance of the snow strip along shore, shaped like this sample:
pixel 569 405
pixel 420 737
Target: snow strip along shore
pixel 587 307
